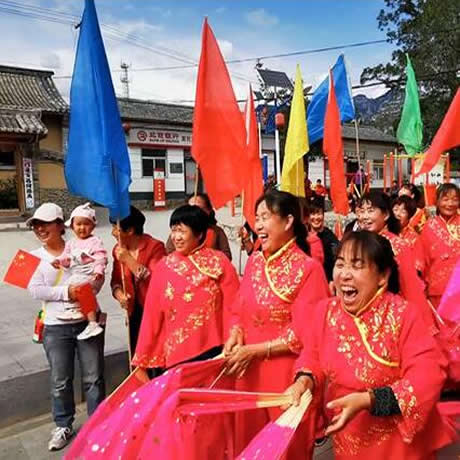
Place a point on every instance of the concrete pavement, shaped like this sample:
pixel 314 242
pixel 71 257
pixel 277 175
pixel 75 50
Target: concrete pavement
pixel 28 441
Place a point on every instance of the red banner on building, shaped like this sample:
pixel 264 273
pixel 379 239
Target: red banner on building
pixel 159 189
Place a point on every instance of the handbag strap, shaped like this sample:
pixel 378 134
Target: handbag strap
pixel 55 283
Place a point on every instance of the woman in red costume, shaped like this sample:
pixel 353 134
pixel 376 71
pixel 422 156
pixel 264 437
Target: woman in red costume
pixel 137 257
pixel 377 216
pixel 440 242
pixel 188 298
pixel 421 215
pixel 281 284
pixel 404 209
pixel 369 354
pixel 215 235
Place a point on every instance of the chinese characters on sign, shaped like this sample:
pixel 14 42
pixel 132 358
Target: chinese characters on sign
pixel 159 190
pixel 28 182
pixel 159 137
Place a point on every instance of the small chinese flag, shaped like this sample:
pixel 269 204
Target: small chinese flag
pixel 21 269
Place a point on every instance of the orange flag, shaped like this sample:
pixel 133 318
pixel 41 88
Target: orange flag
pixel 254 186
pixel 447 137
pixel 219 135
pixel 21 269
pixel 333 149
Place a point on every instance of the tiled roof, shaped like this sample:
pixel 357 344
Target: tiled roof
pixel 135 109
pixel 21 122
pixel 367 133
pixel 29 89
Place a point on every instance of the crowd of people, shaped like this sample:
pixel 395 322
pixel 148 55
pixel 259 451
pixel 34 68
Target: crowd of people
pixel 353 320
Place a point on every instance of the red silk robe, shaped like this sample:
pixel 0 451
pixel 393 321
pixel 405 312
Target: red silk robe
pixel 412 287
pixel 275 292
pixel 409 235
pixel 439 244
pixel 187 304
pixel 386 345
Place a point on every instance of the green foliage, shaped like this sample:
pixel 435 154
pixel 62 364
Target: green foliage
pixel 429 31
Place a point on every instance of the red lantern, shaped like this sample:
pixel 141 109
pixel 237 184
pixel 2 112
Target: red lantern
pixel 279 120
pixel 126 127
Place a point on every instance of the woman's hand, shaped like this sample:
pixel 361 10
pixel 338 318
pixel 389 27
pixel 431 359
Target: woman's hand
pixel 242 356
pixel 346 409
pixel 297 389
pixel 56 264
pixel 122 297
pixel 243 233
pixel 72 291
pixel 235 341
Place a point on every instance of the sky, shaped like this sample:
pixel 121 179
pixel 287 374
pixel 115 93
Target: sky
pixel 160 34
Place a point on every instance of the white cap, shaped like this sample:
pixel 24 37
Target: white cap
pixel 84 210
pixel 47 212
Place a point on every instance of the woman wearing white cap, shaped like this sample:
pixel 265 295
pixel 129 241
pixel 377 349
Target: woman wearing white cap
pixel 59 337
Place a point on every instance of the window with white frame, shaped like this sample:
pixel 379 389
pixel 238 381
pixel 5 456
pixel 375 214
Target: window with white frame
pixel 152 160
pixel 377 171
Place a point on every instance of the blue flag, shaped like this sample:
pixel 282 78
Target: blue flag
pixel 317 108
pixel 97 163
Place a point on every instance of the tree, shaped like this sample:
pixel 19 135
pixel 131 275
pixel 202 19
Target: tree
pixel 429 31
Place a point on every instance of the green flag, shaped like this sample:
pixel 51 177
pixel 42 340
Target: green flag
pixel 410 129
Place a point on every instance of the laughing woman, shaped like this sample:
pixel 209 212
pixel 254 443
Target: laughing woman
pixel 376 215
pixel 188 298
pixel 281 283
pixel 369 354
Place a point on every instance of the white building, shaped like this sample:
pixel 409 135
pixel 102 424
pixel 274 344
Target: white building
pixel 159 136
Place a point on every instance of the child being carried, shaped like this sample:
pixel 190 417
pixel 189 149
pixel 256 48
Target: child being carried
pixel 86 258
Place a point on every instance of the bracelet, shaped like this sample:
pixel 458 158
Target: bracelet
pixel 269 349
pixel 372 396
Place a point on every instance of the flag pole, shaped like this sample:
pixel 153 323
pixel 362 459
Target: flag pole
pixel 195 188
pixel 358 155
pixel 277 157
pixel 242 225
pixel 123 283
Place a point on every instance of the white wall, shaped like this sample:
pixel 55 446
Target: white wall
pixel 174 182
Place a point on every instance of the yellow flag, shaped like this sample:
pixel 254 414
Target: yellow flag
pixel 292 177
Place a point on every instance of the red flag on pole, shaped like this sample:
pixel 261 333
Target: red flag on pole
pixel 21 269
pixel 447 137
pixel 219 135
pixel 253 187
pixel 333 149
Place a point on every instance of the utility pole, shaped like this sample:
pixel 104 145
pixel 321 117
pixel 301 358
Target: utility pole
pixel 125 78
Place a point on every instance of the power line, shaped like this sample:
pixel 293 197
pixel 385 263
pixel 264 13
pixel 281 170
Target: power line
pixel 112 33
pixel 44 14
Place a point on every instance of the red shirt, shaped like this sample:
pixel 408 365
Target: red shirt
pixel 187 305
pixel 150 251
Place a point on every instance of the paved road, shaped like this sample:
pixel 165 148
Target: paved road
pixel 28 441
